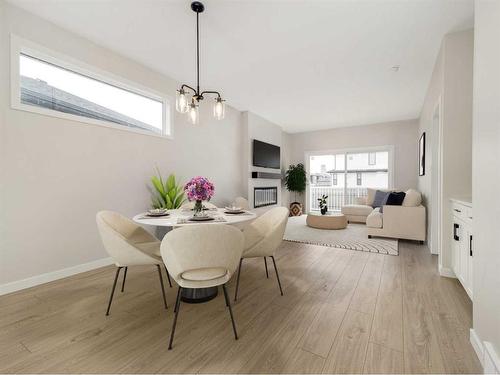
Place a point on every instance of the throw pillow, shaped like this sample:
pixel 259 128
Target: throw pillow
pixel 393 199
pixel 380 196
pixel 412 199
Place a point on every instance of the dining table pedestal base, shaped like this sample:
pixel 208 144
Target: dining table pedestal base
pixel 198 295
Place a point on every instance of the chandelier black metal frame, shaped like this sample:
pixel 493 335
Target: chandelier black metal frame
pixel 183 104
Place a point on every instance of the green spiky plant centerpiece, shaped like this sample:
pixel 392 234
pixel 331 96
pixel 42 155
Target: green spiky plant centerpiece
pixel 167 194
pixel 295 181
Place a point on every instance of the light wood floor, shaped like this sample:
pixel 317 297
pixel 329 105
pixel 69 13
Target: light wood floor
pixel 343 312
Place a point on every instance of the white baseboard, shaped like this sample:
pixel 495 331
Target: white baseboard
pixel 51 276
pixel 446 272
pixel 477 345
pixel 489 358
pixel 491 363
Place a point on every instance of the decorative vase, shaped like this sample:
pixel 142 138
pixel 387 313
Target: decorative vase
pixel 324 209
pixel 295 209
pixel 198 208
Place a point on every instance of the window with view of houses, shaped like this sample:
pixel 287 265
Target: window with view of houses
pixel 346 176
pixel 56 90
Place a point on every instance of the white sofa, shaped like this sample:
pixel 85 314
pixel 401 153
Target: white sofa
pixel 405 222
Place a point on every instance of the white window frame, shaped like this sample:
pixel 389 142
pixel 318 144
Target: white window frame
pixel 22 46
pixel 347 151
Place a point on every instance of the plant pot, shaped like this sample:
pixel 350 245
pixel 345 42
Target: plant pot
pixel 324 210
pixel 295 209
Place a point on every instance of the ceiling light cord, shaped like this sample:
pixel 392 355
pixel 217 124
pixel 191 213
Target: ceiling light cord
pixel 198 54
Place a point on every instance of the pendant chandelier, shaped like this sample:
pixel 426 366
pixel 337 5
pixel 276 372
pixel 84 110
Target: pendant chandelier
pixel 189 105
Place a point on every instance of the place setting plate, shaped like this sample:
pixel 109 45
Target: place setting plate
pixel 233 210
pixel 201 218
pixel 157 212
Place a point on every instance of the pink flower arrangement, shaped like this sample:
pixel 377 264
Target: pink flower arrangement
pixel 199 189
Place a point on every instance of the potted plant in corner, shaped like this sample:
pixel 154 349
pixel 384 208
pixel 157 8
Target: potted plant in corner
pixel 295 181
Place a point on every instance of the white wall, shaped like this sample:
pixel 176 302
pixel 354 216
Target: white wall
pixel 486 173
pixel 451 84
pixel 56 174
pixel 401 134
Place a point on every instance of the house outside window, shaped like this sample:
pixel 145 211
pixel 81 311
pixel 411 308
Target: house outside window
pixel 372 158
pixel 48 83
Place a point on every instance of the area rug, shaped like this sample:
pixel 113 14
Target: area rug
pixel 354 237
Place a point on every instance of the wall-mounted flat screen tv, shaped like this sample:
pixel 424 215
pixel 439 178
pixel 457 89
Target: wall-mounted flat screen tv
pixel 266 155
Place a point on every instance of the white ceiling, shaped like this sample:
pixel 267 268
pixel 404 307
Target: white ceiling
pixel 305 65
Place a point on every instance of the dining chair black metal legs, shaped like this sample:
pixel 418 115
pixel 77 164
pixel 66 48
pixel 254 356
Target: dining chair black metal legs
pixel 238 281
pixel 113 289
pixel 228 304
pixel 177 308
pixel 162 287
pixel 277 275
pixel 124 278
pixel 118 269
pixel 267 275
pixel 168 276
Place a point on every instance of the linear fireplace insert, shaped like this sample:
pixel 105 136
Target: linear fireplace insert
pixel 265 196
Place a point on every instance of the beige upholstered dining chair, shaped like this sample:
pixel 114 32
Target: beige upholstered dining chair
pixel 129 245
pixel 190 205
pixel 241 202
pixel 202 256
pixel 262 238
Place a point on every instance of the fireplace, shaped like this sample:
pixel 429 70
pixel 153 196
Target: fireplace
pixel 265 196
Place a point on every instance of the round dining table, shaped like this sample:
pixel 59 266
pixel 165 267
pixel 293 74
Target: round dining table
pixel 181 217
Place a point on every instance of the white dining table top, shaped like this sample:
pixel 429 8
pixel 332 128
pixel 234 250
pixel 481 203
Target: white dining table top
pixel 172 220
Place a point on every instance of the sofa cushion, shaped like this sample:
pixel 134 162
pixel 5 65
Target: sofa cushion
pixel 357 210
pixel 380 198
pixel 412 198
pixel 374 220
pixel 370 195
pixel 204 274
pixel 393 199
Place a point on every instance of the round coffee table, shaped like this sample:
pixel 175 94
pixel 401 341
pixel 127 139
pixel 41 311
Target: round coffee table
pixel 328 221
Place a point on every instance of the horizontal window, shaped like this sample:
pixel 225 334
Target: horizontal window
pixel 54 88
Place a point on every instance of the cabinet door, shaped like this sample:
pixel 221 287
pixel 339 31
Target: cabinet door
pixel 470 263
pixel 464 255
pixel 455 247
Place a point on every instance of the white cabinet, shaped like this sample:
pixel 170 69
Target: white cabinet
pixel 462 243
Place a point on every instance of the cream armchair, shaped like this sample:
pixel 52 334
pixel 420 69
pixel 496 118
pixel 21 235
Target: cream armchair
pixel 262 238
pixel 129 245
pixel 241 202
pixel 202 256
